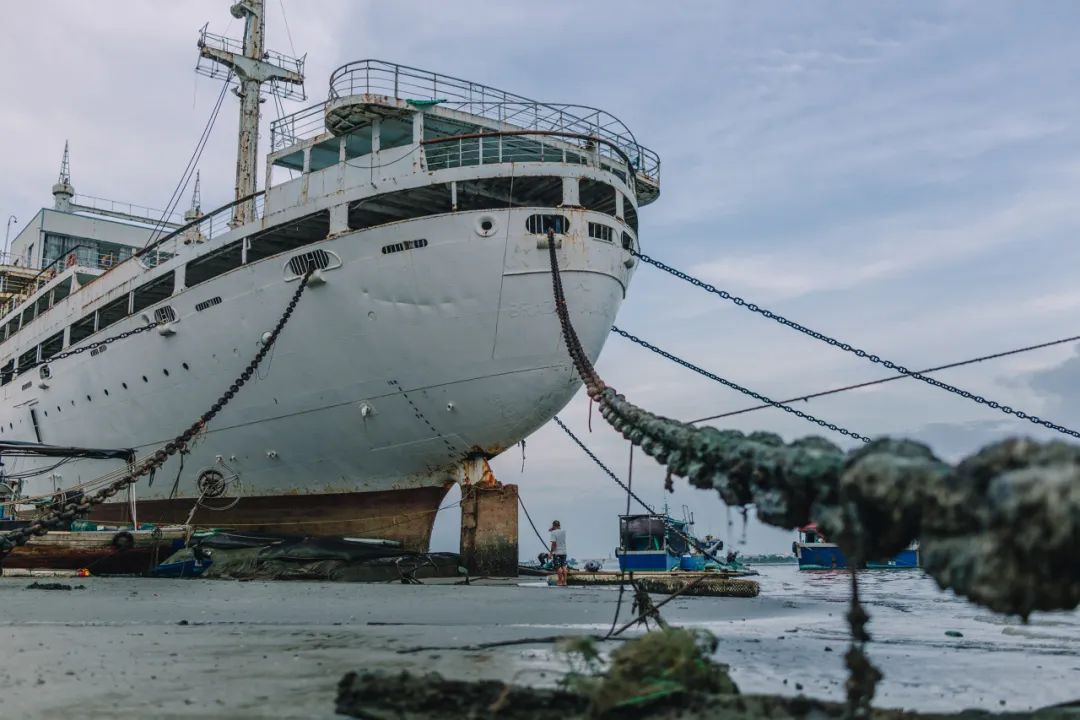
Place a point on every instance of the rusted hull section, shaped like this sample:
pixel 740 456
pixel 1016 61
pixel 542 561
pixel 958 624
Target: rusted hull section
pixel 404 515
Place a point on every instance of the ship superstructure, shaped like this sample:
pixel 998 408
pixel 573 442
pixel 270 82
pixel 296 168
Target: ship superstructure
pixel 427 338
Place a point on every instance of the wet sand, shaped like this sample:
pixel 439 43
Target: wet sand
pixel 264 649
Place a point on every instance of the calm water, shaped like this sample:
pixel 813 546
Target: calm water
pixel 998 663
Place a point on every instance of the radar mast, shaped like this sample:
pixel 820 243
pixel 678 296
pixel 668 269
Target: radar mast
pixel 250 65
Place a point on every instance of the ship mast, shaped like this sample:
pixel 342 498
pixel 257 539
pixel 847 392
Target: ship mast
pixel 250 65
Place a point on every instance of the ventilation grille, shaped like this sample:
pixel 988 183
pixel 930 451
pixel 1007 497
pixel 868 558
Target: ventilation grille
pixel 208 304
pixel 314 260
pixel 166 314
pixel 402 246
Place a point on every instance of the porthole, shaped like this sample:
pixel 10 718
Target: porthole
pixel 89 399
pixel 145 379
pixel 106 391
pixel 123 385
pixel 185 366
pixel 486 226
pixel 57 408
pixel 72 403
pixel 166 371
pixel 46 413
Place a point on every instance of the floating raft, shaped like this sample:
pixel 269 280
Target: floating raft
pixel 706 584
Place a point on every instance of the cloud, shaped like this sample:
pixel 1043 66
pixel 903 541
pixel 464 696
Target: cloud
pixel 902 177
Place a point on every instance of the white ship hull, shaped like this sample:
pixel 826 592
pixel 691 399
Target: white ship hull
pixel 388 375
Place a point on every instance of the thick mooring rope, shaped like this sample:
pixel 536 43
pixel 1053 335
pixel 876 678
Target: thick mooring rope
pixel 1001 527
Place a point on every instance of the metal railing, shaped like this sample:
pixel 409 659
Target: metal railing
pixel 523 146
pixel 216 222
pixel 129 210
pixel 375 77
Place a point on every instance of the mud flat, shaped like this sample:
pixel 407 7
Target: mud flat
pixel 221 649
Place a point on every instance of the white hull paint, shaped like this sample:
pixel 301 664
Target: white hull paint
pixel 386 377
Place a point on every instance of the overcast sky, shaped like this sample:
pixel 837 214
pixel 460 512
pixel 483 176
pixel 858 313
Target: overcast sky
pixel 902 176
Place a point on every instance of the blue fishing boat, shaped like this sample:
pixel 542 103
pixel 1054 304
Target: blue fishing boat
pixel 657 542
pixel 816 553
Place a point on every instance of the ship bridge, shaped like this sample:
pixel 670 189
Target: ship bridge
pixel 372 107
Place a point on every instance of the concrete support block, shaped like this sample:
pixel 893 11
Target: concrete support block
pixel 489 529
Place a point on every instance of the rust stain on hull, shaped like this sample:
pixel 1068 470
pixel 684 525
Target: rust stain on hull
pixel 403 515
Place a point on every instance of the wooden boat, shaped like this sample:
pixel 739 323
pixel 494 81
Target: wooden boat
pixel 111 551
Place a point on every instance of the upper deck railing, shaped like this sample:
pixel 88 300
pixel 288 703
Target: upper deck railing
pixel 375 77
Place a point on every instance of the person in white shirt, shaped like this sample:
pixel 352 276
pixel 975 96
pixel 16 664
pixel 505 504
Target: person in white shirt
pixel 558 552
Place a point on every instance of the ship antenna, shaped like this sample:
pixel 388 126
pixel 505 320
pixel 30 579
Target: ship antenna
pixel 63 191
pixel 195 211
pixel 250 65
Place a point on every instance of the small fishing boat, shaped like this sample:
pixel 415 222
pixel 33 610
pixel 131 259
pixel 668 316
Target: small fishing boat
pixel 814 552
pixel 657 542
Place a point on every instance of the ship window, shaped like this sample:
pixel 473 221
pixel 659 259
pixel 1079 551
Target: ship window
pixel 27 360
pixel 12 327
pixel 42 304
pixel 631 214
pixel 215 263
pixel 487 194
pixel 600 231
pixel 7 372
pixel 52 346
pixel 289 236
pixel 537 191
pixel 401 205
pixel 114 312
pixel 27 316
pixel 598 196
pixel 627 241
pixel 152 292
pixel 394 132
pixel 62 290
pixel 82 329
pixel 541 224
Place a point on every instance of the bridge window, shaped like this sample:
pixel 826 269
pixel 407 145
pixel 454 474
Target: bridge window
pixel 209 266
pixel 27 360
pixel 114 312
pixel 630 213
pixel 600 231
pixel 289 236
pixel 400 205
pixel 597 196
pixel 82 329
pixel 7 372
pixel 152 292
pixel 541 224
pixel 52 346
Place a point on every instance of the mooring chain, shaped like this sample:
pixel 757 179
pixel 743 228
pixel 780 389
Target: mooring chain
pixel 600 463
pixel 847 347
pixel 40 526
pixel 735 386
pixel 94 345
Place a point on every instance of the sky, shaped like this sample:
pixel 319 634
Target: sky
pixel 900 176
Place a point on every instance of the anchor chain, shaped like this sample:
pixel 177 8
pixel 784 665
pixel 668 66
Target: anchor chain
pixel 859 352
pixel 11 539
pixel 94 345
pixel 998 528
pixel 735 386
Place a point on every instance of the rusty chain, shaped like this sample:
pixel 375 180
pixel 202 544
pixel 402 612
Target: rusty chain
pixel 11 539
pixel 847 347
pixel 735 386
pixel 94 345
